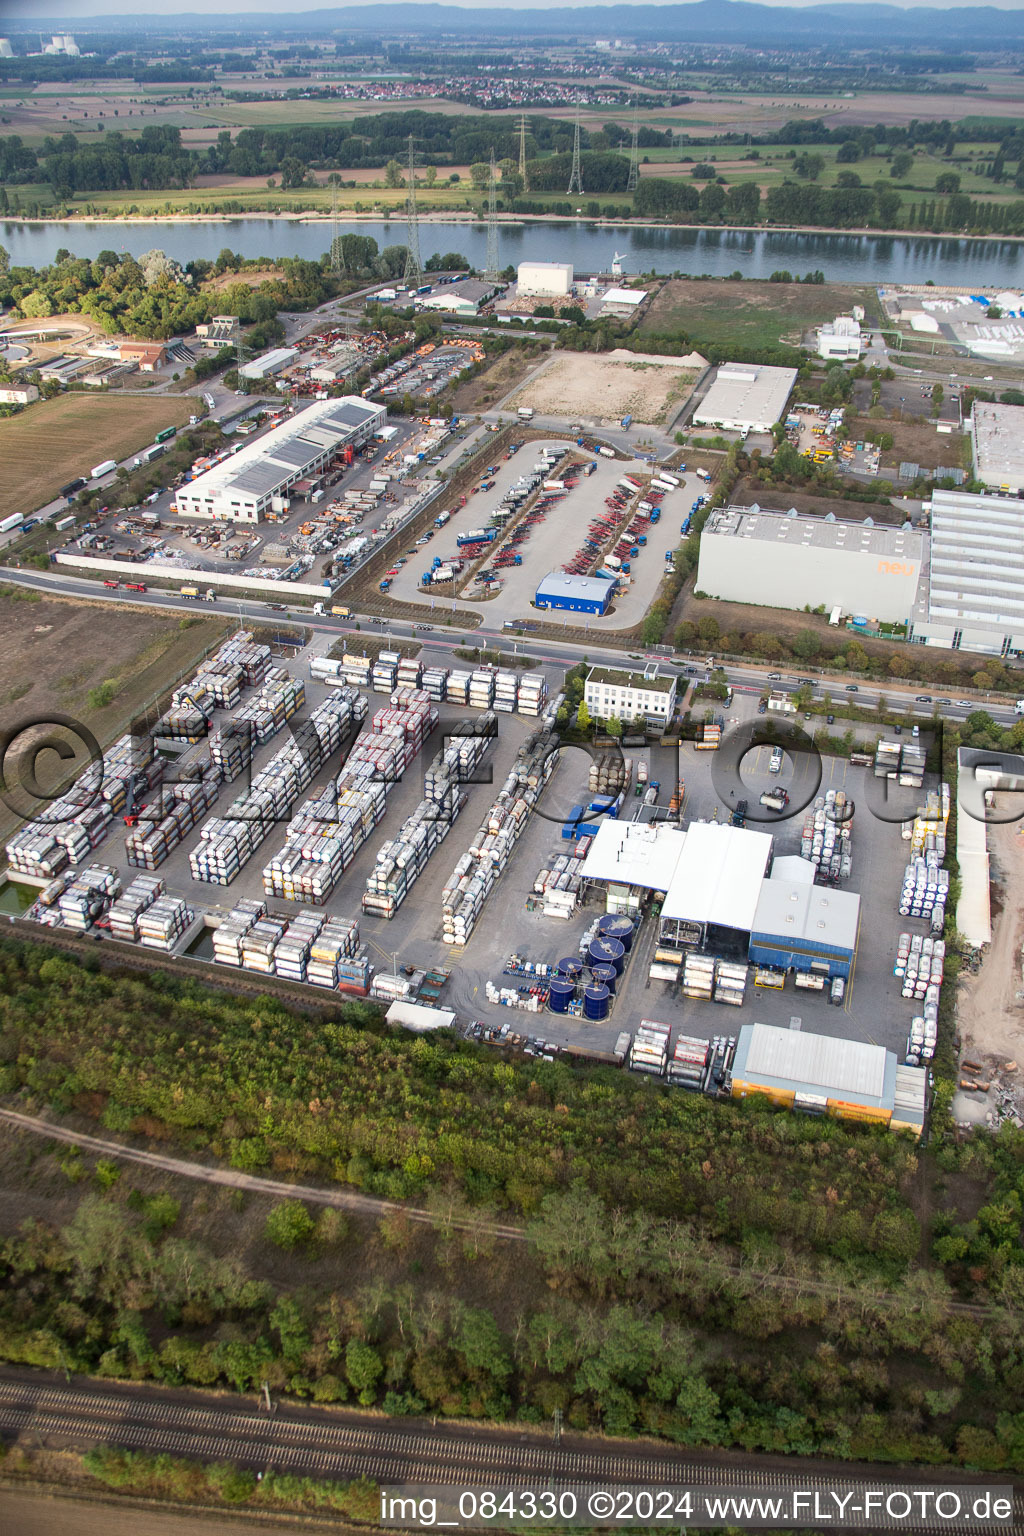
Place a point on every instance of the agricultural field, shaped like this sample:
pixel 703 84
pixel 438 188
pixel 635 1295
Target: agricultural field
pixel 54 441
pixel 610 387
pixel 54 655
pixel 748 314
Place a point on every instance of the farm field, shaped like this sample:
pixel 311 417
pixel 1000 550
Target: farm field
pixel 54 441
pixel 748 314
pixel 609 387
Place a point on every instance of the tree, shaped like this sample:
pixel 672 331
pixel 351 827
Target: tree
pixel 364 1368
pixel 901 164
pixel 712 200
pixel 947 183
pixel 479 175
pixel 847 152
pixel 5 255
pixel 430 175
pixel 584 719
pixel 393 175
pixel 289 1224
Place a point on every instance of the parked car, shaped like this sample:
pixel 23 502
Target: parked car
pixel 830 719
pixel 775 761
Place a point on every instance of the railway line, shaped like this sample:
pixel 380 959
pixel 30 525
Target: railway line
pixel 321 1444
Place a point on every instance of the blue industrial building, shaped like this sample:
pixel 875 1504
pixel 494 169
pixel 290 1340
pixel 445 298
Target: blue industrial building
pixel 803 927
pixel 575 594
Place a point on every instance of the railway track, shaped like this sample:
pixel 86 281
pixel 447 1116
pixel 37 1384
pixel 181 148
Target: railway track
pixel 319 1444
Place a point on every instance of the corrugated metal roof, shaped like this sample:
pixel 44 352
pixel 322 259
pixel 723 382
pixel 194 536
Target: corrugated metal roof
pixel 635 853
pixel 786 1057
pixel 559 584
pixel 793 910
pixel 718 878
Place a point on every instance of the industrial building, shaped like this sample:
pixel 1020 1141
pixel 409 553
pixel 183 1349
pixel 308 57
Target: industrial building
pixel 575 594
pixel 544 279
pixel 997 438
pixel 18 394
pixel 615 695
pixel 800 926
pixel 745 397
pixel 243 487
pixel 715 887
pixel 270 363
pixel 750 555
pixel 147 355
pixel 221 331
pixel 840 339
pixel 972 597
pixel 463 298
pixel 846 1078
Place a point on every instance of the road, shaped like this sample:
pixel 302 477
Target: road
pixel 744 676
pixel 41 1410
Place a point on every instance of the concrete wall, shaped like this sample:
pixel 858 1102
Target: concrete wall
pixel 778 575
pixel 201 579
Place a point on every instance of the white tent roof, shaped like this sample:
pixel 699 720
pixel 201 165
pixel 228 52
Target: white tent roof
pixel 718 878
pixel 635 853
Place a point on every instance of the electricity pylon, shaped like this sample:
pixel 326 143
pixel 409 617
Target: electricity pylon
pixel 413 265
pixel 492 270
pixel 634 154
pixel 575 179
pixel 522 151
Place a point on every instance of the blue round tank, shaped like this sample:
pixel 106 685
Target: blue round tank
pixel 595 1003
pixel 571 967
pixel 560 995
pixel 608 952
pixel 615 926
pixel 603 976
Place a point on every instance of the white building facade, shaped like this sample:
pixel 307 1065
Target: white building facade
pixel 544 279
pixel 745 397
pixel 614 695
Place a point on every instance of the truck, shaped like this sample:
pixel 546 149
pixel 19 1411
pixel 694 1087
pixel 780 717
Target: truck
pixel 703 474
pixel 626 423
pixel 10 523
pixel 148 455
pixel 606 453
pixel 166 435
pixel 525 413
pixel 73 487
pixel 1018 707
pixel 774 800
pixel 477 536
pixel 194 593
pixel 106 468
pixel 64 523
pixel 441 519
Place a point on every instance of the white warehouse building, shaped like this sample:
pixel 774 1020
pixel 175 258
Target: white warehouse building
pixel 840 338
pixel 544 279
pixel 243 487
pixel 777 558
pixel 973 595
pixel 746 397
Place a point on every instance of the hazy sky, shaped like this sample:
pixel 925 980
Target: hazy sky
pixel 26 10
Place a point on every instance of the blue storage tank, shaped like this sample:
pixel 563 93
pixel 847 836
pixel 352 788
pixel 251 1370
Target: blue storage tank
pixel 604 976
pixel 560 995
pixel 596 1001
pixel 614 926
pixel 607 952
pixel 571 968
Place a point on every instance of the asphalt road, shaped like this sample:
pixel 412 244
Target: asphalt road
pixel 742 675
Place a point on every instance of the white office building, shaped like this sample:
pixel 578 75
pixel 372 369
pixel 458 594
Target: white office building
pixel 840 339
pixel 544 279
pixel 242 488
pixel 745 397
pixel 614 695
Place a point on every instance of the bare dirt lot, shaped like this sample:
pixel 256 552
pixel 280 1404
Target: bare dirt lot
pixel 749 314
pixel 489 387
pixel 916 441
pixel 610 387
pixel 780 498
pixel 54 654
pixel 991 1018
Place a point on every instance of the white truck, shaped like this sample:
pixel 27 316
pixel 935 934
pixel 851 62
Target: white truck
pixel 525 413
pixel 106 468
pixel 1018 708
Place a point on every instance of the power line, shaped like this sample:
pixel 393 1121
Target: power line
pixel 634 154
pixel 492 269
pixel 575 179
pixel 413 265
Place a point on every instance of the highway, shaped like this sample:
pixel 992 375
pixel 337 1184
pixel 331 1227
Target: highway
pixel 41 1411
pixel 744 676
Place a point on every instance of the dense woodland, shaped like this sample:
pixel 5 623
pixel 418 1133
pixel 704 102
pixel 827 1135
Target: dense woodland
pixel 711 1274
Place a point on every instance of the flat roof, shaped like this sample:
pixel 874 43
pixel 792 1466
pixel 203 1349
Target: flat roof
pixel 851 1070
pixel 746 392
pixel 719 876
pixel 977 561
pixel 796 912
pixel 757 522
pixel 635 853
pixel 262 466
pixel 560 584
pixel 999 444
pixel 611 678
pixel 630 296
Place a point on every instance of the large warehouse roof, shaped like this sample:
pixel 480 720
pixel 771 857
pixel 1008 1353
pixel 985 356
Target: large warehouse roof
pixel 746 395
pixel 977 563
pixel 999 444
pixel 840 1069
pixel 718 878
pixel 635 853
pixel 284 453
pixel 802 913
pixel 761 523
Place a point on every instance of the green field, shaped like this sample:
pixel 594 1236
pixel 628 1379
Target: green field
pixel 748 314
pixel 54 441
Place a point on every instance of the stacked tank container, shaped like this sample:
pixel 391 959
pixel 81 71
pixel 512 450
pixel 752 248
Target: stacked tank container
pixel 477 870
pixel 481 688
pixel 925 887
pixel 698 976
pixel 827 836
pixel 506 691
pixel 649 1050
pixel 128 908
pixel 334 958
pixel 410 672
pixel 228 935
pixel 292 951
pixel 688 1061
pixel 533 692
pixel 433 682
pixel 385 671
pixel 88 895
pixel 730 982
pixel 280 697
pixel 231 749
pixel 456 688
pixel 260 942
pixel 610 774
pixel 165 824
pixel 164 923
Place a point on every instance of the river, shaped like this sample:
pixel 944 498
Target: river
pixel 847 258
